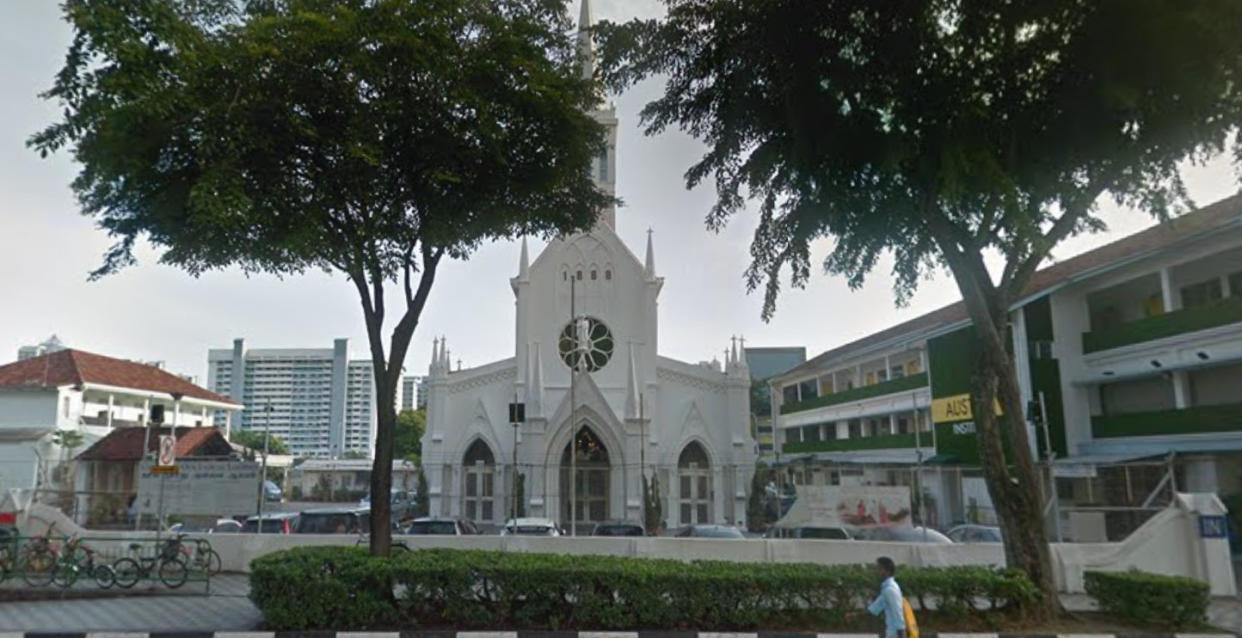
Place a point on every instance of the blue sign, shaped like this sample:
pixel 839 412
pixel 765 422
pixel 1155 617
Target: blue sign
pixel 1213 527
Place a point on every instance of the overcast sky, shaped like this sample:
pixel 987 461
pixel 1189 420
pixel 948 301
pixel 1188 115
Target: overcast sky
pixel 159 313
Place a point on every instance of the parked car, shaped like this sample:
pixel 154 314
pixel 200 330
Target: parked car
pixel 274 523
pixel 431 525
pixel 335 520
pixel 618 528
pixel 900 534
pixel 975 534
pixel 822 532
pixel 272 492
pixel 530 527
pixel 708 531
pixel 221 526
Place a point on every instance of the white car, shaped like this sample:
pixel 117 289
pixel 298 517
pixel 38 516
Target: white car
pixel 530 527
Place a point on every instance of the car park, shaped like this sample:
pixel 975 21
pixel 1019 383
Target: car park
pixel 439 526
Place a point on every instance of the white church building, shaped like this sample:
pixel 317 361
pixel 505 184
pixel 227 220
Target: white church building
pixel 587 303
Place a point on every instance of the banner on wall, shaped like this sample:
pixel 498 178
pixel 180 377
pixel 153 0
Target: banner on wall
pixel 849 506
pixel 201 487
pixel 955 408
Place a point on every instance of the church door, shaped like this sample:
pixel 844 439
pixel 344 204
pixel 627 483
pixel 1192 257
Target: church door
pixel 694 490
pixel 591 485
pixel 479 496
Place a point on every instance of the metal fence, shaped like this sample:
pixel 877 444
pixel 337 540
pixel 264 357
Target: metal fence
pixel 50 560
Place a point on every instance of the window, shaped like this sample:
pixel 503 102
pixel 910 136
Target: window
pixel 810 433
pixel 855 428
pixel 808 389
pixel 793 435
pixel 903 425
pixel 594 275
pixel 789 394
pixel 479 480
pixel 598 349
pixel 603 165
pixel 1235 284
pixel 564 275
pixel 1202 293
pixel 695 485
pixel 896 372
pixel 579 275
pixel 607 275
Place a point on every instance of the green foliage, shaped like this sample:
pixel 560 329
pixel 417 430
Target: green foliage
pixel 653 506
pixel 67 439
pixel 408 441
pixel 354 454
pixel 1174 602
pixel 343 588
pixel 845 396
pixel 760 398
pixel 422 504
pixel 253 440
pixel 756 514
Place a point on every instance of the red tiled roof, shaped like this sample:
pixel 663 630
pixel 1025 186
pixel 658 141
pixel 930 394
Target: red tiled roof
pixel 1205 219
pixel 69 367
pixel 125 444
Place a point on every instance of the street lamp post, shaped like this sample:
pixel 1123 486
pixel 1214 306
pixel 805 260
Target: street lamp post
pixel 267 437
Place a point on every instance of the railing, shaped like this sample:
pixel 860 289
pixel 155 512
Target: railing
pixel 1195 420
pixel 911 382
pixel 1169 324
pixel 884 442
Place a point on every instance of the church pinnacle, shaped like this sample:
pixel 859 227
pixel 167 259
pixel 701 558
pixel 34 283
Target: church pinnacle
pixel 649 271
pixel 586 42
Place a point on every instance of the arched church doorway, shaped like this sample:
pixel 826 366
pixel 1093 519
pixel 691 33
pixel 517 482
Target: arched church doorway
pixel 593 468
pixel 694 489
pixel 479 495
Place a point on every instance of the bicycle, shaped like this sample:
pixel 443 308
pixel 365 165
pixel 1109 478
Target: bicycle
pixel 78 559
pixel 201 556
pixel 39 559
pixel 166 563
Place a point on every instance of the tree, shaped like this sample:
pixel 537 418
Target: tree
pixel 942 134
pixel 354 454
pixel 756 515
pixel 422 506
pixel 653 507
pixel 367 139
pixel 408 442
pixel 253 440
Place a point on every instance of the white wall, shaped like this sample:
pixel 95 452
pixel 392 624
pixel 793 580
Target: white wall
pixel 28 408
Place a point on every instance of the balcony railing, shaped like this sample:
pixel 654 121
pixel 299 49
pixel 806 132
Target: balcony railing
pixel 1178 322
pixel 1196 420
pixel 883 442
pixel 911 382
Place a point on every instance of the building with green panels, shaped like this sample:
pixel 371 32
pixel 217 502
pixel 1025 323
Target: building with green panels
pixel 1130 351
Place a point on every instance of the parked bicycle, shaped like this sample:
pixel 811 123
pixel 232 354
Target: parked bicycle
pixel 38 559
pixel 77 560
pixel 198 554
pixel 166 563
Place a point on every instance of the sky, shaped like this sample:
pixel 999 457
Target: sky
pixel 156 312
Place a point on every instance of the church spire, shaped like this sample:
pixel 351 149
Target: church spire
pixel 650 269
pixel 524 261
pixel 632 396
pixel 534 388
pixel 586 43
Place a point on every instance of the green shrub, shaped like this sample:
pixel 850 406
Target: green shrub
pixel 344 588
pixel 1151 599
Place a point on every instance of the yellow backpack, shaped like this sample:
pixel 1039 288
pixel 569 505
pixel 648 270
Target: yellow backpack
pixel 912 624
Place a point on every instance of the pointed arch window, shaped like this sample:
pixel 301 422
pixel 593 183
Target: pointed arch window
pixel 603 165
pixel 479 480
pixel 694 480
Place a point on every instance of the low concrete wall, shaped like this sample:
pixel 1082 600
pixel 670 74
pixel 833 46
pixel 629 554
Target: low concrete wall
pixel 1168 543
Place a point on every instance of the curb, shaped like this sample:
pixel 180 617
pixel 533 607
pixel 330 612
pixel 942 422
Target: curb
pixel 573 634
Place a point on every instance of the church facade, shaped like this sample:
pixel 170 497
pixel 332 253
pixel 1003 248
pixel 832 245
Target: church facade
pixel 600 402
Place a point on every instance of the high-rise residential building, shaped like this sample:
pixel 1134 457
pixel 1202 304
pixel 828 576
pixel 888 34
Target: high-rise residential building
pixel 413 393
pixel 317 400
pixel 52 344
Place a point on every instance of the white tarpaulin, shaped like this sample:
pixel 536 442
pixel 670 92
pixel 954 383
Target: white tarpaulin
pixel 849 506
pixel 200 487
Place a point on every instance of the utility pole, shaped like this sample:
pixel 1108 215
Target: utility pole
pixel 573 407
pixel 516 418
pixel 267 437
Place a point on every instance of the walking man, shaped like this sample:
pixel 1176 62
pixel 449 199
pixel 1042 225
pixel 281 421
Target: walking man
pixel 889 602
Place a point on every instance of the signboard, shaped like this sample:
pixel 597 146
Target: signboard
pixel 854 506
pixel 1213 527
pixel 517 413
pixel 955 408
pixel 200 487
pixel 168 450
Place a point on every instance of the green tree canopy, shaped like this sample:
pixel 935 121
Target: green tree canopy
pixel 408 445
pixel 253 439
pixel 938 132
pixel 361 137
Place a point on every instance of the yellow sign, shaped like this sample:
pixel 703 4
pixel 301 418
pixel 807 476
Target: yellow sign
pixel 165 469
pixel 955 408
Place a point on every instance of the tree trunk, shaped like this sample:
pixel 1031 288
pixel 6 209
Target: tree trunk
pixel 1013 482
pixel 381 469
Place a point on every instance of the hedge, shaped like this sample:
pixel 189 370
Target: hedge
pixel 346 589
pixel 1175 602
